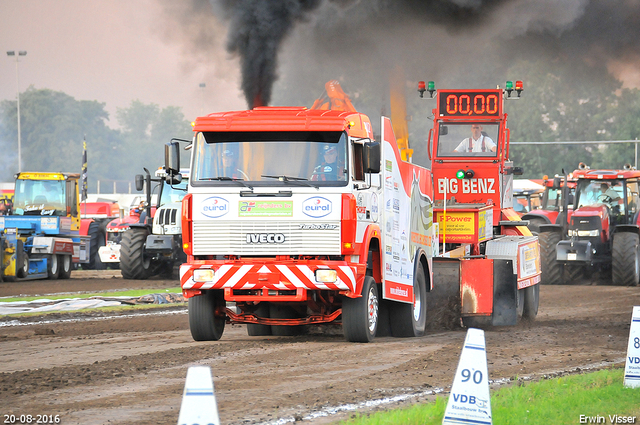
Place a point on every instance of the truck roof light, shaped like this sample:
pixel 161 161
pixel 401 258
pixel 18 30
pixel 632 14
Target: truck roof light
pixel 519 85
pixel 421 88
pixel 460 174
pixel 509 86
pixel 465 174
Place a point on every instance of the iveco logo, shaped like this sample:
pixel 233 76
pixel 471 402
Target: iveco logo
pixel 316 207
pixel 214 207
pixel 265 238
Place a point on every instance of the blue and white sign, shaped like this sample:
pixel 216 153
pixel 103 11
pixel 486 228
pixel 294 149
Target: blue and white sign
pixel 632 367
pixel 317 207
pixel 214 207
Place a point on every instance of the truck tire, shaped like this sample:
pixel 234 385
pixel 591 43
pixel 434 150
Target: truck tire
pixel 410 320
pixel 520 306
pixel 260 330
pixel 625 264
pixel 552 270
pixel 98 239
pixel 53 268
pixel 531 302
pixel 134 264
pixel 360 315
pixel 206 317
pixel 64 263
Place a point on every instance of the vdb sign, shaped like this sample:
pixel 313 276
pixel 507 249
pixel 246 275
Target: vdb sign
pixel 317 207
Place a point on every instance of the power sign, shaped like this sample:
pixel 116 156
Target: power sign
pixel 487 185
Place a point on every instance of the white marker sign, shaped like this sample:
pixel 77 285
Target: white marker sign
pixel 199 406
pixel 632 369
pixel 469 401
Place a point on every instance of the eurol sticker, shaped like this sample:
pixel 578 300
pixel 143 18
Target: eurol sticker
pixel 317 207
pixel 214 207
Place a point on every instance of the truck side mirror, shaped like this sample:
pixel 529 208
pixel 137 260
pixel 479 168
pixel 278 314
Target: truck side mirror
pixel 172 158
pixel 372 157
pixel 139 182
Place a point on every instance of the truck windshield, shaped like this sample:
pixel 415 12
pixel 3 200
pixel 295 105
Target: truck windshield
pixel 467 139
pixel 40 197
pixel 270 158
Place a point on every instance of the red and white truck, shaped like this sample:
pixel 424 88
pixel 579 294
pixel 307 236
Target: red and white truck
pixel 294 237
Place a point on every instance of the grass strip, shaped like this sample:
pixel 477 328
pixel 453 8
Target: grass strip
pixel 569 399
pixel 125 293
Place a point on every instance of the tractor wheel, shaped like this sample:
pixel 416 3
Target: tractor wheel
pixel 551 269
pixel 534 225
pixel 625 264
pixel 64 264
pixel 22 262
pixel 53 267
pixel 134 264
pixel 260 330
pixel 531 302
pixel 360 315
pixel 575 274
pixel 410 320
pixel 206 316
pixel 98 239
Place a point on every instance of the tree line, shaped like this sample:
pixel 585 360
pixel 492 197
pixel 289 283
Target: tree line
pixel 54 125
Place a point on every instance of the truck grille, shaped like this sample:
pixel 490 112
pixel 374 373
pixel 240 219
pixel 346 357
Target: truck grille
pixel 230 238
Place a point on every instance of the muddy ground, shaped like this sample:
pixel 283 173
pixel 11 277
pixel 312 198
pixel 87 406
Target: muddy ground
pixel 130 368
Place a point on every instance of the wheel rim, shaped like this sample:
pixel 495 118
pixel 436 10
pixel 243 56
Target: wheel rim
pixel 54 264
pixel 373 310
pixel 417 303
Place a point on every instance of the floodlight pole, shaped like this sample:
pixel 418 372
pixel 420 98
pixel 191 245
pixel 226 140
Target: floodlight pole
pixel 17 57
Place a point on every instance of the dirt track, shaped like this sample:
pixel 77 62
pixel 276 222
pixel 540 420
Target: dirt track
pixel 131 370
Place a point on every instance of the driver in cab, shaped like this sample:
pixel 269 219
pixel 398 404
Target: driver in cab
pixel 608 195
pixel 478 142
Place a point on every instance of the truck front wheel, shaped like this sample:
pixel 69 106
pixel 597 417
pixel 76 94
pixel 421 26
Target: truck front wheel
pixel 360 315
pixel 625 264
pixel 134 264
pixel 410 320
pixel 206 316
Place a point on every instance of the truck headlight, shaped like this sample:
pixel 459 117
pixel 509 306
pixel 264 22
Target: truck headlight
pixel 49 223
pixel 203 275
pixel 326 275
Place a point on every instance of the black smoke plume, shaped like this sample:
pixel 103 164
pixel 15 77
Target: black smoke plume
pixel 256 31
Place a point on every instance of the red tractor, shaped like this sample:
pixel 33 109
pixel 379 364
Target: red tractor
pixel 95 217
pixel 551 203
pixel 600 232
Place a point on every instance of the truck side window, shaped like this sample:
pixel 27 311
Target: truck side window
pixel 71 197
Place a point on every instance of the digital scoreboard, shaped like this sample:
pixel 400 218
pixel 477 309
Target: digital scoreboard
pixel 462 103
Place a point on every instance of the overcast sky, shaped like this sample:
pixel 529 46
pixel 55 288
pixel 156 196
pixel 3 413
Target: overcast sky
pixel 111 51
pixel 160 51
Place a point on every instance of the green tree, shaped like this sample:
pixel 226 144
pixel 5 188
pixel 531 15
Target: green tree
pixel 53 126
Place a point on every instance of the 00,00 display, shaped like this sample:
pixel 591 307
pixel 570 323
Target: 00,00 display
pixel 466 104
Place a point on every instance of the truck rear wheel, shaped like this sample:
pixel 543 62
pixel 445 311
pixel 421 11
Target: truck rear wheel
pixel 410 320
pixel 360 315
pixel 53 268
pixel 551 269
pixel 277 311
pixel 625 264
pixel 133 261
pixel 260 330
pixel 531 302
pixel 64 263
pixel 206 316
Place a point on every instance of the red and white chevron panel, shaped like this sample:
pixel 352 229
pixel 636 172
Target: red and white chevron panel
pixel 271 276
